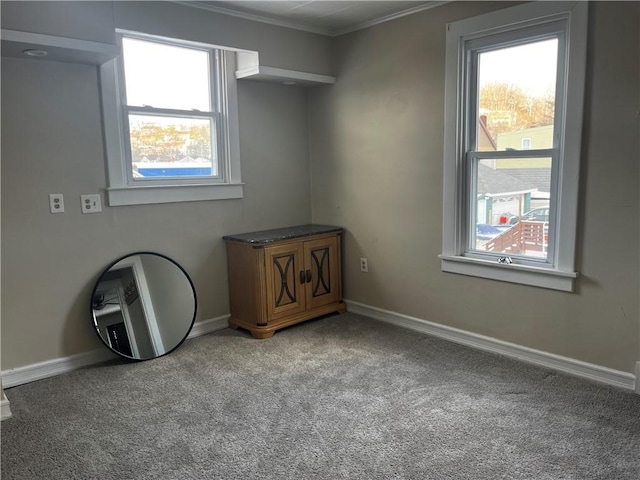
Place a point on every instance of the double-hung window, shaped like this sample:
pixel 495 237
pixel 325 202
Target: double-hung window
pixel 513 120
pixel 170 122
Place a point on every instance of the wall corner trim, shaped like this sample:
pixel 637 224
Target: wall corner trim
pixel 5 408
pixel 588 371
pixel 50 368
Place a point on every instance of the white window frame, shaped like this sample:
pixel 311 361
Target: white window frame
pixel 558 271
pixel 122 189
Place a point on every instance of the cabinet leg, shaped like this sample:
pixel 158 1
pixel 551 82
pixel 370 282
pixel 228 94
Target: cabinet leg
pixel 256 332
pixel 261 335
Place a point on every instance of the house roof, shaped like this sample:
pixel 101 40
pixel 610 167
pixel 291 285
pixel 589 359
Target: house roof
pixel 533 178
pixel 496 182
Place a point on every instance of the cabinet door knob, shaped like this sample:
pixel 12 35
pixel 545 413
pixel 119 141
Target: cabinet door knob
pixel 308 275
pixel 301 277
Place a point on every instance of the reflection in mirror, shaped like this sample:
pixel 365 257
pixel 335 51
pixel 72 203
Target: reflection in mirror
pixel 143 305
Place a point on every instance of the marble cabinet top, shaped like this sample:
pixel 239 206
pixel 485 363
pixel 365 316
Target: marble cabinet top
pixel 278 234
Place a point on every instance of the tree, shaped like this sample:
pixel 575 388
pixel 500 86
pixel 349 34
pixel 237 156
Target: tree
pixel 508 108
pixel 168 143
pixel 199 142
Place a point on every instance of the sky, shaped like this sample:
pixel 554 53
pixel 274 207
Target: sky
pixel 531 66
pixel 166 76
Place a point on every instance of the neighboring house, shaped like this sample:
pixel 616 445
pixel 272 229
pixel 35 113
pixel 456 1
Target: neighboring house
pixel 501 196
pixel 532 172
pixel 527 139
pixel 509 188
pixel 485 141
pixel 538 179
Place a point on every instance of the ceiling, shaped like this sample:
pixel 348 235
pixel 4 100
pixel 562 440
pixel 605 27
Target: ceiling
pixel 319 16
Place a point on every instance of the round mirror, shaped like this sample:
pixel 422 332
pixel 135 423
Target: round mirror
pixel 143 305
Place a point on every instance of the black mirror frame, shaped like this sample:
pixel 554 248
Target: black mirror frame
pixel 95 287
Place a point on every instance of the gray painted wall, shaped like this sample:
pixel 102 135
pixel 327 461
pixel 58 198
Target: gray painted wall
pixel 52 143
pixel 376 159
pixel 92 21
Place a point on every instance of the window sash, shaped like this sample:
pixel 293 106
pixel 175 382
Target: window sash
pixel 216 146
pixel 469 213
pixel 472 49
pixel 215 114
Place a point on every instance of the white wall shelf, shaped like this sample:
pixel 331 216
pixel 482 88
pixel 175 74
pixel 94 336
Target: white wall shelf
pixel 281 75
pixel 249 68
pixel 59 49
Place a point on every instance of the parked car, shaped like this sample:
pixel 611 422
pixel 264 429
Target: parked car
pixel 540 214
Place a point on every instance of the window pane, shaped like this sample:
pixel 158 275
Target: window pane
pixel 166 76
pixel 512 206
pixel 517 96
pixel 171 146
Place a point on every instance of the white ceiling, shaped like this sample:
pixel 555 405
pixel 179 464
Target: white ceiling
pixel 319 16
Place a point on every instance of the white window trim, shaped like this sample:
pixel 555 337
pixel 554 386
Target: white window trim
pixel 561 274
pixel 119 191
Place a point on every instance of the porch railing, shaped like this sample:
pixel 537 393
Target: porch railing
pixel 523 237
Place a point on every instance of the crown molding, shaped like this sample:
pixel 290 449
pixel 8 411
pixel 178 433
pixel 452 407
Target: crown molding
pixel 388 18
pixel 256 18
pixel 311 28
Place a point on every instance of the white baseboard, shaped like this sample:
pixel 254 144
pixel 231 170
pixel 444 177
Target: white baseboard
pixel 209 326
pixel 57 366
pixel 567 365
pixel 51 368
pixel 5 409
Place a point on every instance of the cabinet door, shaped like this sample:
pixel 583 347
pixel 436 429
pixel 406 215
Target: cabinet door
pixel 285 280
pixel 322 265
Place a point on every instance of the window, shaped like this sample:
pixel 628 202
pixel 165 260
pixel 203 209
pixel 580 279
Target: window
pixel 513 119
pixel 170 113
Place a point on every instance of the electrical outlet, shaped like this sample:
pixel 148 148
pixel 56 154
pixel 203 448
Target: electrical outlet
pixel 364 265
pixel 56 203
pixel 91 203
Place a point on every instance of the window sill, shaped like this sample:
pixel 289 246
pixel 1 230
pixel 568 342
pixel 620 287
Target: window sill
pixel 522 274
pixel 172 193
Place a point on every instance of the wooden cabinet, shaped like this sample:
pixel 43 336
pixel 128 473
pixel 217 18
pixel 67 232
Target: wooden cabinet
pixel 281 277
